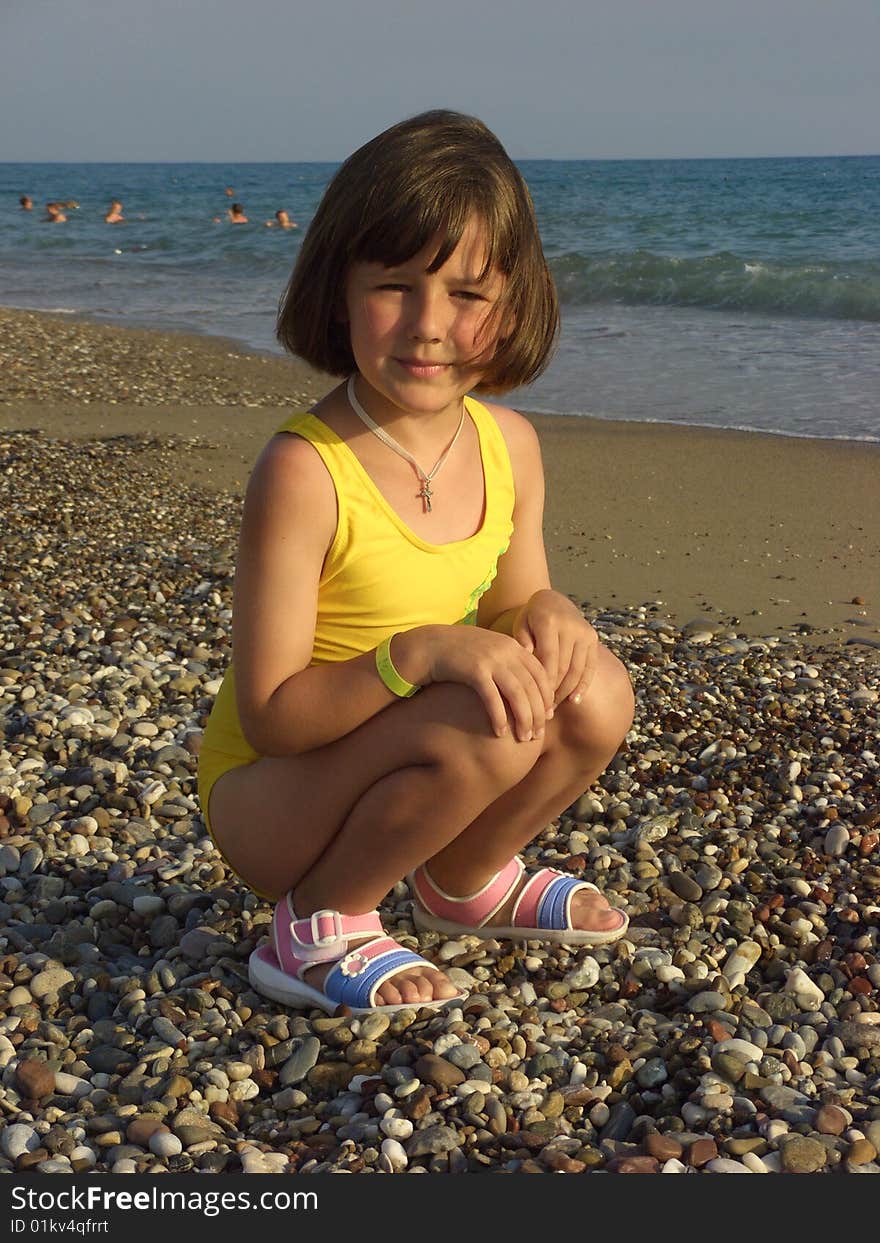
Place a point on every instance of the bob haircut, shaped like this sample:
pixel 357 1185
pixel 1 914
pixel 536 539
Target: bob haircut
pixel 421 179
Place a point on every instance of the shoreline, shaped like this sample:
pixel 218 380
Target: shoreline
pixel 693 523
pixel 243 349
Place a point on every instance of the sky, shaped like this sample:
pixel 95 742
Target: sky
pixel 280 80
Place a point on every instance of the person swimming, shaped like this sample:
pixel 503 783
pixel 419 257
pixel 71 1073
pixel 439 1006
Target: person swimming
pixel 54 214
pixel 282 219
pixel 236 214
pixel 114 213
pixel 27 203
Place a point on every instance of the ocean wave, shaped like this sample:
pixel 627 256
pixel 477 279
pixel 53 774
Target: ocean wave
pixel 723 281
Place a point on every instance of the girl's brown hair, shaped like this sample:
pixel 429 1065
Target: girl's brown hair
pixel 423 178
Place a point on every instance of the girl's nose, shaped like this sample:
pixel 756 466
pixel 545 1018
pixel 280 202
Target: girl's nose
pixel 425 320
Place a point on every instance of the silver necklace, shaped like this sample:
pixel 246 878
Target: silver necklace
pixel 424 492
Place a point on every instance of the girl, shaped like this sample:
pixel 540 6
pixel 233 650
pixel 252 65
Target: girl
pixel 409 696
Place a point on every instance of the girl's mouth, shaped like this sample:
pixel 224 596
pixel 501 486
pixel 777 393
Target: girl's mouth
pixel 424 370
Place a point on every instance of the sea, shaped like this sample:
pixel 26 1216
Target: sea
pixel 721 293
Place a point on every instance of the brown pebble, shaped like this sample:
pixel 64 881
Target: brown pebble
pixel 860 986
pixel 861 1152
pixel 139 1130
pixel 663 1147
pixel 868 844
pixel 701 1152
pixel 857 600
pixel 577 1095
pixel 555 1160
pixel 28 1160
pixel 224 1111
pixel 633 1165
pixel 830 1120
pixel 416 1106
pixel 438 1072
pixel 34 1079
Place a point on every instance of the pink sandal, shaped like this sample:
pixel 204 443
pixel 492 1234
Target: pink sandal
pixel 542 911
pixel 276 970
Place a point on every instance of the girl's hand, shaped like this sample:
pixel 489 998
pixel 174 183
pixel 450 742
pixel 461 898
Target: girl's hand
pixel 508 678
pixel 566 645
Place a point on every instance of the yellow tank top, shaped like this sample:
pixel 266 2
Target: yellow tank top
pixel 379 576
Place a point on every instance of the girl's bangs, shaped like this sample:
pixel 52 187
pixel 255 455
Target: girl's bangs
pixel 402 232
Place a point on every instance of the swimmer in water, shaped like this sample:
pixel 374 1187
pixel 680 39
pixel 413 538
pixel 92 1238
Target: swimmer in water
pixel 54 214
pixel 236 214
pixel 114 214
pixel 282 219
pixel 27 203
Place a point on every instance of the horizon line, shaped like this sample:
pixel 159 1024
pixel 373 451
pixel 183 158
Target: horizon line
pixel 546 159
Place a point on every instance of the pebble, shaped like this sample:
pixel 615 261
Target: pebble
pixel 164 1144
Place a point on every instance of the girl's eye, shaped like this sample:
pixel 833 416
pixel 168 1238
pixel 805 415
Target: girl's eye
pixel 394 285
pixel 469 295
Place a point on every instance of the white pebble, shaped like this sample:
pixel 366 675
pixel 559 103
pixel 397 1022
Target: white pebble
pixel 83 1153
pixel 836 840
pixel 726 1165
pixel 754 1163
pixel 397 1128
pixel 237 1071
pixel 165 1144
pixel 244 1090
pixel 395 1154
pixel 585 974
pixel 805 992
pixel 17 1139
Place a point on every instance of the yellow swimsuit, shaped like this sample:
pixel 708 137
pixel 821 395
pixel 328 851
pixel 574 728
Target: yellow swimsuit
pixel 378 576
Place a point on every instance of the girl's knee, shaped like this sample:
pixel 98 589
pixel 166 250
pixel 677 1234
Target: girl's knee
pixel 601 721
pixel 459 738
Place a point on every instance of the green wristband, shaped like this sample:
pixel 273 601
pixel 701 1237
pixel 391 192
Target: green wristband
pixel 389 675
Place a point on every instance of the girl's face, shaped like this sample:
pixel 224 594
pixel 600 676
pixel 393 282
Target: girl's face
pixel 417 336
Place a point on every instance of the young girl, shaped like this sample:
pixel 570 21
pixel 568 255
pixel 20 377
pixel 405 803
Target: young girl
pixel 409 696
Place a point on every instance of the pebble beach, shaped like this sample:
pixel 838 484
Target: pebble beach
pixel 736 1027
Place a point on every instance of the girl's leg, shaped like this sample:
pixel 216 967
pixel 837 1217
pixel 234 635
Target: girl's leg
pixel 340 825
pixel 580 742
pixel 370 807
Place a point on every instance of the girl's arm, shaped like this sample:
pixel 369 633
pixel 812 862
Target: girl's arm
pixel 523 569
pixel 521 602
pixel 286 706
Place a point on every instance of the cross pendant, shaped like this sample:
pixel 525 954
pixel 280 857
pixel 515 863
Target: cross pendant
pixel 425 494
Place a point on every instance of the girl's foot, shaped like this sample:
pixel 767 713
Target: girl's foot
pixel 590 911
pixel 328 959
pixel 545 905
pixel 418 986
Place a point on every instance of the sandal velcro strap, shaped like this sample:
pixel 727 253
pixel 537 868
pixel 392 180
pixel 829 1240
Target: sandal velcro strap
pixel 321 937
